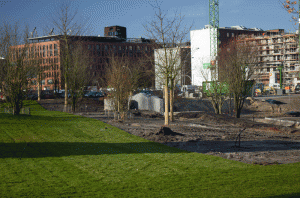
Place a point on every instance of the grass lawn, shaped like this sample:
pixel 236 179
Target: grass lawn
pixel 68 155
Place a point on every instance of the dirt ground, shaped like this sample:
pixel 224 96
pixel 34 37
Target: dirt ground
pixel 204 132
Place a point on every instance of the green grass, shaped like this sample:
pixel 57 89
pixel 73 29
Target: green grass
pixel 69 156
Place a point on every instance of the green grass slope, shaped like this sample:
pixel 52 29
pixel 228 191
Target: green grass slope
pixel 57 154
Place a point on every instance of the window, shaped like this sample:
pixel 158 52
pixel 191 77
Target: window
pixel 105 47
pixel 120 47
pixel 97 47
pixel 50 47
pixel 232 34
pixel 276 49
pixel 89 47
pixel 292 67
pixel 130 47
pixel 44 48
pixel 55 50
pixel 228 34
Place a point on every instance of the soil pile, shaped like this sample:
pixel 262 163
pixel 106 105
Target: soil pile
pixel 165 134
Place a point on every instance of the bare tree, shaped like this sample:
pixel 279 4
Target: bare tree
pixel 237 65
pixel 289 6
pixel 214 89
pixel 65 25
pixel 169 34
pixel 78 73
pixel 123 76
pixel 18 67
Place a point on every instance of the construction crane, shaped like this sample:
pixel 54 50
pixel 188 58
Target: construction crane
pixel 214 34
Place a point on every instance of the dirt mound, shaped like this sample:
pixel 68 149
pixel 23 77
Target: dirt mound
pixel 167 131
pixel 165 134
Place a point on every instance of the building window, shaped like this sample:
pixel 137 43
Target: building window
pixel 228 34
pixel 105 47
pixel 50 47
pixel 97 47
pixel 55 50
pixel 130 47
pixel 89 47
pixel 44 48
pixel 232 34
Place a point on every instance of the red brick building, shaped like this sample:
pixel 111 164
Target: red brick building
pixel 100 48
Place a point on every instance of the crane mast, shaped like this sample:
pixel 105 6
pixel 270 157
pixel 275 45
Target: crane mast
pixel 214 31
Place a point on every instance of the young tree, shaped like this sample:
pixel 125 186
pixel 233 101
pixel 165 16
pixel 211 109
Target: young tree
pixel 18 67
pixel 78 73
pixel 215 89
pixel 168 34
pixel 123 76
pixel 66 26
pixel 237 64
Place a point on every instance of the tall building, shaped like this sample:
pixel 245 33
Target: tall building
pixel 200 49
pixel 100 48
pixel 278 49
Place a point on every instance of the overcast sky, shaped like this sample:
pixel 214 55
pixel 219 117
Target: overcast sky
pixel 132 14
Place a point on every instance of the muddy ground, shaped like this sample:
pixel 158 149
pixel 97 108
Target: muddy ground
pixel 207 133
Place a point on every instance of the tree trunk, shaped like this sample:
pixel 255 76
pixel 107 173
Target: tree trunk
pixel 237 108
pixel 215 106
pixel 220 105
pixel 17 108
pixel 172 101
pixel 166 104
pixel 66 94
pixel 39 88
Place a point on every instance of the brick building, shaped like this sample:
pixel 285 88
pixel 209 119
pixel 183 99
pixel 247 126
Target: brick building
pixel 100 49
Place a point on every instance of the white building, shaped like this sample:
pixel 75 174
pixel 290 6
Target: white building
pixel 201 45
pixel 178 58
pixel 200 56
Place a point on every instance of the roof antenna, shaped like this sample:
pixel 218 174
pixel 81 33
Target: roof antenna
pixel 51 32
pixel 31 33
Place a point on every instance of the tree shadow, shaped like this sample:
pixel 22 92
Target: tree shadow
pixel 232 146
pixel 60 149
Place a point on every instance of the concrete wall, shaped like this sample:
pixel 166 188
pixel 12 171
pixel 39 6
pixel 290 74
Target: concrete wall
pixel 147 102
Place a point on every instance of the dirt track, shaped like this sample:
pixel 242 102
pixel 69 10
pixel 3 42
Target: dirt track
pixel 207 133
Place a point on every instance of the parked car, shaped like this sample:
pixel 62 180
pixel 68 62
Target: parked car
pixel 32 95
pixel 47 94
pixel 62 95
pixel 94 94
